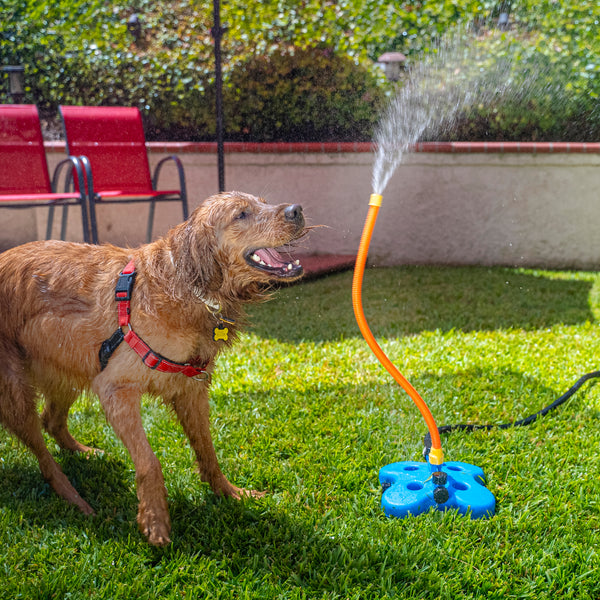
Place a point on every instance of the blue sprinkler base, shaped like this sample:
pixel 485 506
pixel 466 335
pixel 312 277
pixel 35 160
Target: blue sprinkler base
pixel 411 488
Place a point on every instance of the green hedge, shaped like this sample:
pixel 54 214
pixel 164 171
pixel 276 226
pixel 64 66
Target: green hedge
pixel 520 91
pixel 294 71
pixel 286 93
pixel 302 94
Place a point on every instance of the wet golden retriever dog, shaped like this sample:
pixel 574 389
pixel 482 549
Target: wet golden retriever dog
pixel 125 322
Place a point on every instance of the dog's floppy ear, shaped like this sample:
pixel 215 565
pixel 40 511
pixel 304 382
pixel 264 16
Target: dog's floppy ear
pixel 192 247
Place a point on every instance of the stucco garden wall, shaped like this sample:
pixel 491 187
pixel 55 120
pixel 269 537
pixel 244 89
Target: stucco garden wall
pixel 507 204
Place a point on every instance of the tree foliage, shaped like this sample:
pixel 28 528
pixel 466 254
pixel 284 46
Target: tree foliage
pixel 307 64
pixel 302 94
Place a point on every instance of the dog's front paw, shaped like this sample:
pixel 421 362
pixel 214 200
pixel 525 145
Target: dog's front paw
pixel 244 493
pixel 155 529
pixel 229 490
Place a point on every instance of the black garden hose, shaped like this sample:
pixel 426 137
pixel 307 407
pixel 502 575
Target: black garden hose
pixel 526 421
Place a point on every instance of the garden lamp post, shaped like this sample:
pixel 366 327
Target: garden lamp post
pixel 134 27
pixel 16 82
pixel 217 33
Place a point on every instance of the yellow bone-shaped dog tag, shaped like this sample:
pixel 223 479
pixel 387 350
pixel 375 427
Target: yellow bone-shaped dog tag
pixel 220 333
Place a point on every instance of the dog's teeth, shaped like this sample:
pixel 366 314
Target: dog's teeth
pixel 296 262
pixel 263 263
pixel 290 267
pixel 255 257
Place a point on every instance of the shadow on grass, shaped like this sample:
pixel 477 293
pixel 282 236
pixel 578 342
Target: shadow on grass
pixel 242 536
pixel 408 300
pixel 102 481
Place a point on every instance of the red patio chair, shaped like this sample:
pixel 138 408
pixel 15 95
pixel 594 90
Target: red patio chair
pixel 111 143
pixel 24 176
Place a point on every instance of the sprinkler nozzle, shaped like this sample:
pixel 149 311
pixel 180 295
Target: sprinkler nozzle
pixel 375 200
pixel 435 456
pixel 441 495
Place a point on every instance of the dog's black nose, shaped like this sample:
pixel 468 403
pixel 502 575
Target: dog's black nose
pixel 293 214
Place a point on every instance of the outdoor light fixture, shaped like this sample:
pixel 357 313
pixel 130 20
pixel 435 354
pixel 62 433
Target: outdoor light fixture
pixel 16 82
pixel 134 26
pixel 393 64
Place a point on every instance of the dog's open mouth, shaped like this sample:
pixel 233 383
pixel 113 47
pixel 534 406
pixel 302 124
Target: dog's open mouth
pixel 272 262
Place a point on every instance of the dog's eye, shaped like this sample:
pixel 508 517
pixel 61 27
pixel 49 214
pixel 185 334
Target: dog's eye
pixel 244 214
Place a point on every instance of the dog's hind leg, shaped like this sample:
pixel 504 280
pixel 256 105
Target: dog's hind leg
pixel 193 414
pixel 19 415
pixel 122 408
pixel 54 418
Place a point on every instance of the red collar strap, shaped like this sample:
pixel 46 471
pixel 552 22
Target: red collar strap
pixel 151 359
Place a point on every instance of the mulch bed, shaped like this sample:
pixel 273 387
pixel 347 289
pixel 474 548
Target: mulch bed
pixel 319 265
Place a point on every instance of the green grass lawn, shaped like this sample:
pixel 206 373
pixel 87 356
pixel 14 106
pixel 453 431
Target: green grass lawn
pixel 302 409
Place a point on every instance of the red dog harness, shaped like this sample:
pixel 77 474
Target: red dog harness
pixel 151 359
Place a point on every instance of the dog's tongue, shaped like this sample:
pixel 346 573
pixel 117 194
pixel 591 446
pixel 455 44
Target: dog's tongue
pixel 268 259
pixel 271 257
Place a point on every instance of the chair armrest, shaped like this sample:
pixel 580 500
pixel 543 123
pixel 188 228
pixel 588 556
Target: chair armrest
pixel 76 166
pixel 180 172
pixel 88 180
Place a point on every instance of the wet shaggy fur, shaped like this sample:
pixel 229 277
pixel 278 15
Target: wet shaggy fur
pixel 57 306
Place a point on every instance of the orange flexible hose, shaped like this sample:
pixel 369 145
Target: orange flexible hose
pixel 436 455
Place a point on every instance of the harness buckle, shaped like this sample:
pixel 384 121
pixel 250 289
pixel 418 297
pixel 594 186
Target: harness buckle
pixel 124 286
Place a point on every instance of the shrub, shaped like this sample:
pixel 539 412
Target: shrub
pixel 292 74
pixel 301 94
pixel 80 53
pixel 531 93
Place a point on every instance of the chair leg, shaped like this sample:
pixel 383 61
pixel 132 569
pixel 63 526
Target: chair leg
pixel 91 209
pixel 150 221
pixel 184 205
pixel 50 222
pixel 63 223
